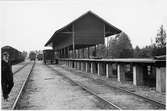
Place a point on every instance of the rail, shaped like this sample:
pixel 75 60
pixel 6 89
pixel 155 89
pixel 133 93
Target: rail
pixel 112 106
pixel 21 90
pixel 20 68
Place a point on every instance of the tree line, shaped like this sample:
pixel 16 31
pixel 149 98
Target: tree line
pixel 120 47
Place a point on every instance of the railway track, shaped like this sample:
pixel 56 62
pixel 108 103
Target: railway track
pixel 14 106
pixel 151 101
pixel 157 103
pixel 160 105
pixel 21 68
pixel 107 103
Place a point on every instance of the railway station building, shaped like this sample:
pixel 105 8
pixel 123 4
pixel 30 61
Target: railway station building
pixel 90 30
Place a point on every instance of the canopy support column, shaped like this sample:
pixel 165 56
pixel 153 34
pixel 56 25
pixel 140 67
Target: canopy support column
pixel 73 40
pixel 83 53
pixel 88 52
pixel 94 51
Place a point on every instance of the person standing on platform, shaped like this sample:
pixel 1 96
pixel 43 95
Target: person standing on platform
pixel 6 76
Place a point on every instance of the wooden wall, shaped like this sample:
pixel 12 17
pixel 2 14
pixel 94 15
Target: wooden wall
pixel 89 30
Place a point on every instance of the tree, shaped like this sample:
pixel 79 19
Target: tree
pixel 155 49
pixel 146 52
pixel 112 48
pixel 101 50
pixel 137 52
pixel 159 47
pixel 161 38
pixel 120 46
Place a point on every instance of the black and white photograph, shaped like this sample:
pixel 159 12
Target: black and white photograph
pixel 83 54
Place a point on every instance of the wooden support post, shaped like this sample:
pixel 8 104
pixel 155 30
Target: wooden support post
pixel 100 69
pixel 83 56
pixel 88 52
pixel 76 65
pixel 79 65
pixel 63 53
pixel 88 67
pixel 138 75
pixel 73 40
pixel 76 53
pixel 67 52
pixel 94 52
pixel 82 66
pixel 121 72
pixel 79 56
pixel 109 70
pixel 161 79
pixel 107 47
pixel 93 67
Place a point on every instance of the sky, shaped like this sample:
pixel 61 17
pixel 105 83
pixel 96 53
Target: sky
pixel 28 24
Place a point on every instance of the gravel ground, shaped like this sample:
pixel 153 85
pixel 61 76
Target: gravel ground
pixel 140 90
pixel 47 90
pixel 19 78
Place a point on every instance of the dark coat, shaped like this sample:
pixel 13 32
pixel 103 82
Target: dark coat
pixel 6 78
pixel 6 71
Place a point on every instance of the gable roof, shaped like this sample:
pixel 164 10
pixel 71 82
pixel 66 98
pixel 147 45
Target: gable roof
pixel 116 30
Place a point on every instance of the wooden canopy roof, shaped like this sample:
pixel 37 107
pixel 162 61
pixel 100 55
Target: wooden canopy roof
pixel 60 35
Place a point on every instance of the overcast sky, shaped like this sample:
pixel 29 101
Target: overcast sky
pixel 28 25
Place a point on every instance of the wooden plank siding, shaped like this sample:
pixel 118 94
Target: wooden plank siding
pixel 89 30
